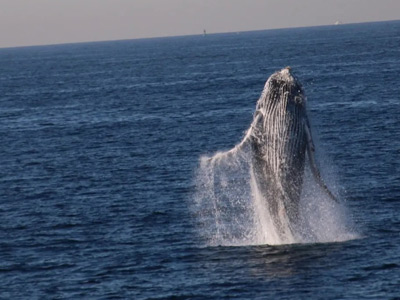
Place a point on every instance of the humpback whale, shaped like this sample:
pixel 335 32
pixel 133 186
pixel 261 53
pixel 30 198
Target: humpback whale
pixel 280 142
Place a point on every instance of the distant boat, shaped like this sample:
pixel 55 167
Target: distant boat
pixel 338 23
pixel 204 32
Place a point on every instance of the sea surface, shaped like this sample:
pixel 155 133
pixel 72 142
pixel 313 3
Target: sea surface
pixel 101 144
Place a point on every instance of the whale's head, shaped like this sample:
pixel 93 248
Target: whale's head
pixel 282 88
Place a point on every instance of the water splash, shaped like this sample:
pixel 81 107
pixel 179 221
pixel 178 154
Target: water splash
pixel 231 210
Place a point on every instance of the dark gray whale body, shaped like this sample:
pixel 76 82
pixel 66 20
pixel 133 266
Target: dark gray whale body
pixel 279 139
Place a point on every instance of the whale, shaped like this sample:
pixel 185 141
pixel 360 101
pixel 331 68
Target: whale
pixel 280 142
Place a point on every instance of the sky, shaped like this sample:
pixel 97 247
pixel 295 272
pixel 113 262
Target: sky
pixel 42 22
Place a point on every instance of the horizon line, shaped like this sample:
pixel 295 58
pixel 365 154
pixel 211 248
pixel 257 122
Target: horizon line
pixel 201 33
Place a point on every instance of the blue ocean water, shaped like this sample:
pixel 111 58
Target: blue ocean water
pixel 101 143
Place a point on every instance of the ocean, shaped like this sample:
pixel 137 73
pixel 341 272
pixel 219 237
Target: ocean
pixel 101 170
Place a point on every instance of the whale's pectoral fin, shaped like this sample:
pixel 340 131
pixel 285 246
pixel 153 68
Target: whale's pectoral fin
pixel 313 165
pixel 230 153
pixel 245 143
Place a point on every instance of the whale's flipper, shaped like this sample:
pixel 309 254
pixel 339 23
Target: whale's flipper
pixel 246 142
pixel 228 154
pixel 313 165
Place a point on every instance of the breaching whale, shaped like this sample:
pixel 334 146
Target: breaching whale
pixel 280 142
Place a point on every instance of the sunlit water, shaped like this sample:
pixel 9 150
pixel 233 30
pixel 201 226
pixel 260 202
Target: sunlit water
pixel 105 192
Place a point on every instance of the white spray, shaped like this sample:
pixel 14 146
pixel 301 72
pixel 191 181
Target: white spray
pixel 231 209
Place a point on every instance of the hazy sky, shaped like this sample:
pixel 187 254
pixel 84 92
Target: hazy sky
pixel 35 22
